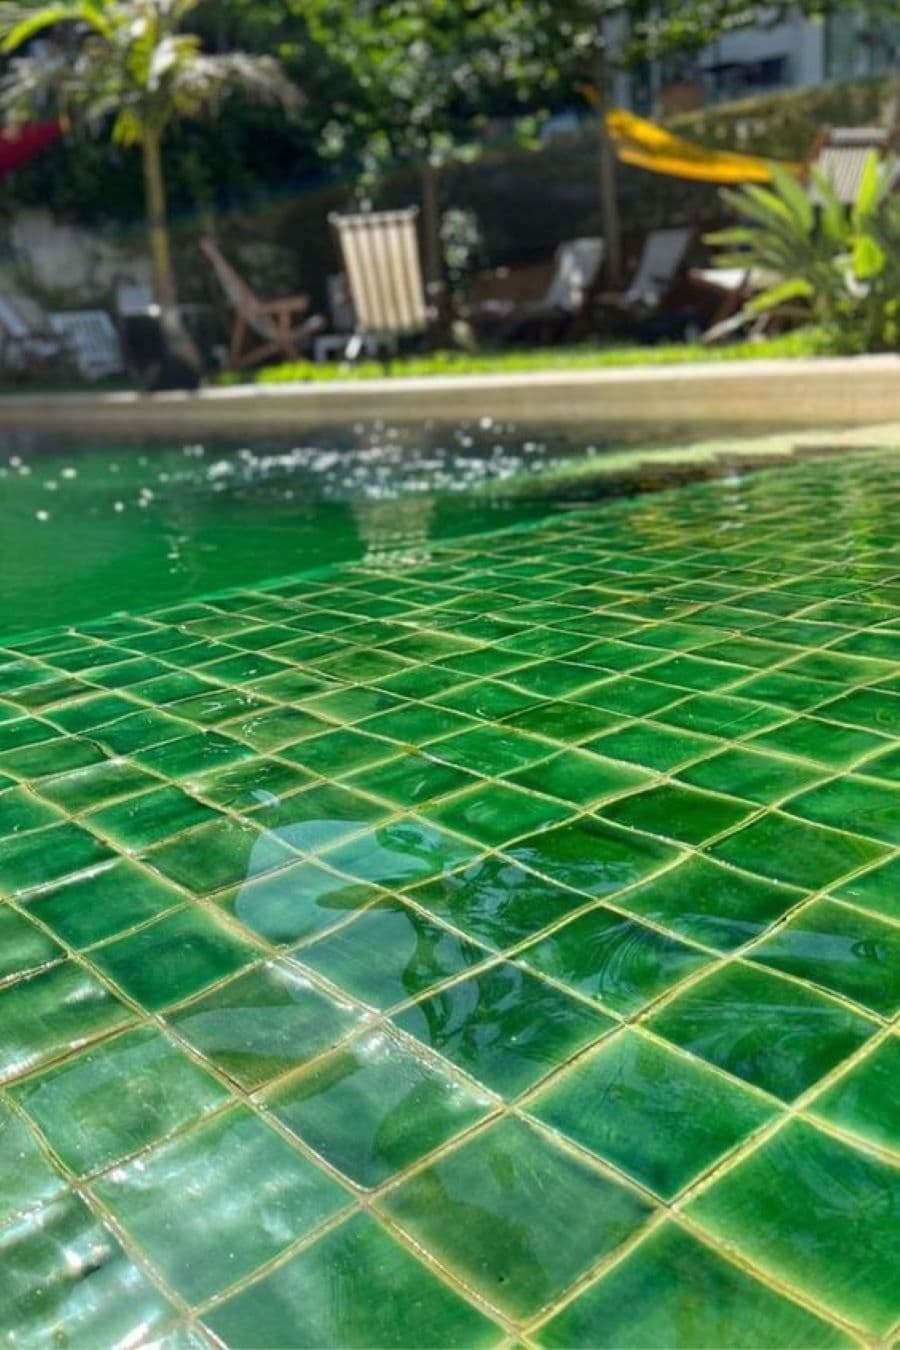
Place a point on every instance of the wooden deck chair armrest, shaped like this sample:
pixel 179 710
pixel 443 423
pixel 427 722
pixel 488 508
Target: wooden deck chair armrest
pixel 288 304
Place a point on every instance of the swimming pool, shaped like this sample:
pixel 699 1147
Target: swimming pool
pixel 487 943
pixel 90 529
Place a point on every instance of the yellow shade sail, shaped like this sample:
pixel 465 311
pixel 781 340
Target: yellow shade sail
pixel 648 146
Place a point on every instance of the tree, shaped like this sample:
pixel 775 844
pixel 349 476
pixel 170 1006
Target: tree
pixel 127 65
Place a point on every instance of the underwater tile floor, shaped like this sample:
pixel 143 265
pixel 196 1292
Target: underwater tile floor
pixel 501 950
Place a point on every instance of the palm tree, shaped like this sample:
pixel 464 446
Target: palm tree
pixel 127 65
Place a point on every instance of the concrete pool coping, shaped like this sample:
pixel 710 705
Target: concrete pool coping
pixel 792 394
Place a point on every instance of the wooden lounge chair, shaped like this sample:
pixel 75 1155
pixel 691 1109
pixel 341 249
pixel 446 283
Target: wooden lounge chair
pixel 380 251
pixel 576 266
pixel 91 338
pixel 261 328
pixel 656 273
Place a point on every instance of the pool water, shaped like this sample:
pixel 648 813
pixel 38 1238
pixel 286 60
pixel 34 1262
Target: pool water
pixel 88 530
pixel 496 947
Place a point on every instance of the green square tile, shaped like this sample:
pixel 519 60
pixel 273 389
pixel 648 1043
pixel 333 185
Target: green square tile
pixel 172 958
pixel 399 853
pixel 416 724
pixel 695 673
pixel 319 817
pixel 789 1208
pixel 389 954
pixel 338 752
pixel 877 889
pixel 754 777
pixel 856 804
pixel 25 731
pixel 29 1178
pixel 785 690
pixel 351 703
pixel 553 679
pixel 622 963
pixel 92 712
pixel 496 902
pixel 771 1032
pixel 48 1014
pixel 841 950
pixel 821 741
pixel 248 786
pixel 64 1279
pixel 90 908
pixel 226 1166
pixel 487 661
pixel 410 780
pixel 263 1023
pixel 98 783
pixel 218 704
pixel 23 946
pixel 139 731
pixel 542 1217
pixel 490 750
pixel 487 699
pixel 504 1027
pixel 661 1118
pixel 55 757
pixel 34 860
pixel 569 722
pixel 867 708
pixel 720 715
pixel 677 813
pixel 119 674
pixel 243 668
pixel 116 1097
pixel 198 753
pixel 355 1286
pixel 630 696
pixel 217 855
pixel 592 856
pixel 273 727
pixel 20 812
pixel 578 777
pixel 138 822
pixel 374 1107
pixel 673 1289
pixel 866 1100
pixel 617 656
pixel 710 904
pixel 886 766
pixel 174 688
pixel 295 902
pixel 651 746
pixel 787 849
pixel 493 814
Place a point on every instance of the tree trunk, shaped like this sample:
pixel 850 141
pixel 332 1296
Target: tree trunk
pixel 157 228
pixel 433 260
pixel 609 197
pixel 176 335
pixel 431 223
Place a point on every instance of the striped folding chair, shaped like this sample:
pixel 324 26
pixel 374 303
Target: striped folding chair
pixel 380 251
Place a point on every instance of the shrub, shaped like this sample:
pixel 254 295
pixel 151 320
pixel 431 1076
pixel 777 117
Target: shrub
pixel 842 262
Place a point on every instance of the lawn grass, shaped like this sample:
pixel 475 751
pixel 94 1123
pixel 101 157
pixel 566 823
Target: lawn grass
pixel 803 342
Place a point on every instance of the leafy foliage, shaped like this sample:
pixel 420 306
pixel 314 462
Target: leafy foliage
pixel 842 262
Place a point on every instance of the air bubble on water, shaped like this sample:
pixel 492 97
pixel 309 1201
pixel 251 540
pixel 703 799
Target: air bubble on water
pixel 69 472
pixel 25 470
pixel 118 506
pixel 51 485
pixel 42 516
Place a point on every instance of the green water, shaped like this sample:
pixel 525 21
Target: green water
pixel 87 530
